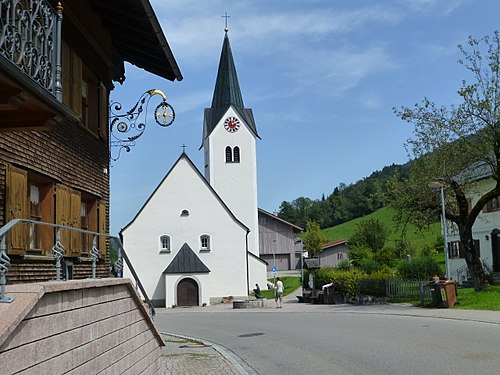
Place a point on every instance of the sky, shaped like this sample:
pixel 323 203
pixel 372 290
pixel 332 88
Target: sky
pixel 321 76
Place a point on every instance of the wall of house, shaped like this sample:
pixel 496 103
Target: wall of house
pixel 332 256
pixel 69 155
pixel 485 223
pixel 277 238
pixel 78 327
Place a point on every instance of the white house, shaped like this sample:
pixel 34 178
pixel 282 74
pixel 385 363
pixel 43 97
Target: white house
pixel 485 231
pixel 196 240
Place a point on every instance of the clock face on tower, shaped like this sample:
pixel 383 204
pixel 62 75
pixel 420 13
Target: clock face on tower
pixel 232 124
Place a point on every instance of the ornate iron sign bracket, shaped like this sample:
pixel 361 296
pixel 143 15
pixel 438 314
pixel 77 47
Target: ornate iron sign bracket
pixel 127 127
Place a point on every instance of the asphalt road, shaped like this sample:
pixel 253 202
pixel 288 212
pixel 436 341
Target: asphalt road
pixel 335 339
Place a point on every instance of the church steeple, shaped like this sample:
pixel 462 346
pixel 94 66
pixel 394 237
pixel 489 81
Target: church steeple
pixel 227 88
pixel 227 94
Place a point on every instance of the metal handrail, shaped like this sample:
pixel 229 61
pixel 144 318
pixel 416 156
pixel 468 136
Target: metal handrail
pixel 59 251
pixel 464 270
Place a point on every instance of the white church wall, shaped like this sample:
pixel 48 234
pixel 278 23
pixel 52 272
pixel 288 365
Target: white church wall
pixel 236 183
pixel 183 189
pixel 257 273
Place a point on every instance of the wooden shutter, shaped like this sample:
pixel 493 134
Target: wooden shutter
pixel 76 83
pixel 102 229
pixel 63 214
pixel 103 112
pixel 17 208
pixel 75 217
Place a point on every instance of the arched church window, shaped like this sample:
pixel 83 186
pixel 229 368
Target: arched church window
pixel 229 155
pixel 205 242
pixel 184 213
pixel 236 153
pixel 164 244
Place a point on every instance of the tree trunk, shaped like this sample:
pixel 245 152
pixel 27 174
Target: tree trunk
pixel 473 260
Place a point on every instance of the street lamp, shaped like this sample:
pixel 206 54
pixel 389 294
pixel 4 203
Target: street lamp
pixel 439 184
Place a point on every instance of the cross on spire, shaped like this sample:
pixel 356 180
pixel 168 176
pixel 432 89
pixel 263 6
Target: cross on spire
pixel 183 148
pixel 226 29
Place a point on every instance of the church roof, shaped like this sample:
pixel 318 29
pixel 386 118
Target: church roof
pixel 186 261
pixel 202 179
pixel 227 93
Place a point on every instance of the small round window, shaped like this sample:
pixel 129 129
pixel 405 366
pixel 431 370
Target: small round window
pixel 184 213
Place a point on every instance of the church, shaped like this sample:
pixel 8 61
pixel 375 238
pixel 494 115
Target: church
pixel 196 241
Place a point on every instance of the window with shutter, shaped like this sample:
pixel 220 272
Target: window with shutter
pixel 88 219
pixel 236 152
pixel 41 206
pixel 229 155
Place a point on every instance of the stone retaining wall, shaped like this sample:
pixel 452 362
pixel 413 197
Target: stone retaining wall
pixel 78 327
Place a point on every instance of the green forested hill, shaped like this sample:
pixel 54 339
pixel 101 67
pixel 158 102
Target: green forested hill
pixel 385 215
pixel 346 202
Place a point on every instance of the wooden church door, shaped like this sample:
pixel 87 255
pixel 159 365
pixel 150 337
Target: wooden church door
pixel 187 293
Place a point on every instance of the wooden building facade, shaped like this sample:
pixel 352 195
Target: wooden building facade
pixel 279 244
pixel 333 253
pixel 58 62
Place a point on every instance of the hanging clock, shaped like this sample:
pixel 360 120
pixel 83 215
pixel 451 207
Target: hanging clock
pixel 232 124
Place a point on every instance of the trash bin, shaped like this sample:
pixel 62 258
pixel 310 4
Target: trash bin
pixel 437 297
pixel 328 296
pixel 443 293
pixel 450 290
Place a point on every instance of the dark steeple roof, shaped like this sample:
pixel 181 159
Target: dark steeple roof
pixel 227 89
pixel 227 93
pixel 186 261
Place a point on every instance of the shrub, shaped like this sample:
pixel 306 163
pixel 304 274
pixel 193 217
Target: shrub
pixel 385 257
pixel 427 251
pixel 420 268
pixel 345 281
pixel 370 266
pixel 358 255
pixel 344 265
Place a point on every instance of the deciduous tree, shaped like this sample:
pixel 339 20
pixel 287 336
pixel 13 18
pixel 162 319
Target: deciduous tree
pixel 450 144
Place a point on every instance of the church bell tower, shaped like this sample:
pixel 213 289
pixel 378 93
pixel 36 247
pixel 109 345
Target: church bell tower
pixel 229 145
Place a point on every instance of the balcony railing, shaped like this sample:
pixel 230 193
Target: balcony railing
pixel 58 252
pixel 30 38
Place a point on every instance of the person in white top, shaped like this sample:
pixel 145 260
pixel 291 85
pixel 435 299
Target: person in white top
pixel 278 293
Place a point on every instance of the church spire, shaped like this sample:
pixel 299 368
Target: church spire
pixel 227 94
pixel 227 88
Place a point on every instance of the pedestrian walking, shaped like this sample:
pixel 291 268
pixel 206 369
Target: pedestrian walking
pixel 278 296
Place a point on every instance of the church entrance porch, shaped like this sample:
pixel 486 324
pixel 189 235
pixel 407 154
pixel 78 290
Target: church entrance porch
pixel 187 293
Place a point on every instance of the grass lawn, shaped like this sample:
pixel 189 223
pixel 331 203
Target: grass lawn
pixel 468 299
pixel 291 283
pixel 485 300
